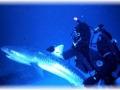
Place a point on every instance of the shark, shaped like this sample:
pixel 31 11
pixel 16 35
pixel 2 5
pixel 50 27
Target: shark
pixel 52 62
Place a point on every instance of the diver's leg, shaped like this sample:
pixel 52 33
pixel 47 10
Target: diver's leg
pixel 92 80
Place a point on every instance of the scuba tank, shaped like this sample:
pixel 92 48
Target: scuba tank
pixel 104 54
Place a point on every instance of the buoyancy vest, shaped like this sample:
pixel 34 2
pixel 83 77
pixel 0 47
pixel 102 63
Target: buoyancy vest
pixel 104 54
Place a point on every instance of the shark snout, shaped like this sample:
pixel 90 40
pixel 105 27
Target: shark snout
pixel 5 49
pixel 2 48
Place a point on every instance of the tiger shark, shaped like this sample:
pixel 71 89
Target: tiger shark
pixel 52 62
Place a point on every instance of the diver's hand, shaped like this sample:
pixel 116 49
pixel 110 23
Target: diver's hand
pixel 50 49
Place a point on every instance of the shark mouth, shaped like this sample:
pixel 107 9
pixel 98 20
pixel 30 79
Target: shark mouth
pixel 7 51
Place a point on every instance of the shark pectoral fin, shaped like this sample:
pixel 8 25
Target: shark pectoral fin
pixel 38 69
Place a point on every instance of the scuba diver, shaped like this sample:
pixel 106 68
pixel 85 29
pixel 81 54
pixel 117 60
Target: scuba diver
pixel 94 50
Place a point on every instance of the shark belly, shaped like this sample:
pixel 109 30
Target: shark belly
pixel 59 67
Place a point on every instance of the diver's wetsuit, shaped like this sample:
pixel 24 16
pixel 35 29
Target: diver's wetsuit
pixel 87 57
pixel 81 49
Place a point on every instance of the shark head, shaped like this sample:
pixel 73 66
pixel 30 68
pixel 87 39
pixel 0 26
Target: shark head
pixel 25 55
pixel 18 54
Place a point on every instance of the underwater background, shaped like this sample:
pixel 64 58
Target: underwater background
pixel 42 25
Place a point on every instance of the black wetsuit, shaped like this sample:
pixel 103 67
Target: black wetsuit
pixel 81 49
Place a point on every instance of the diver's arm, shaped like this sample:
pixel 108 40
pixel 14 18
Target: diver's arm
pixel 69 53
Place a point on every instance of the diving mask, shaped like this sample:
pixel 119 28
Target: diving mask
pixel 75 35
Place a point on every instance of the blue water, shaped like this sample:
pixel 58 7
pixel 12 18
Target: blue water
pixel 40 26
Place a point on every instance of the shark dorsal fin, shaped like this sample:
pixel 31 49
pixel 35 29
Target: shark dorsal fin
pixel 58 50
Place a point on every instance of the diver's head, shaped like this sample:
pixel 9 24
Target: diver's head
pixel 81 32
pixel 76 31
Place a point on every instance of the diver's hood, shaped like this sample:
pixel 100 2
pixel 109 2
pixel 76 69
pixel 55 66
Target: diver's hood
pixel 81 32
pixel 81 27
pixel 76 33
